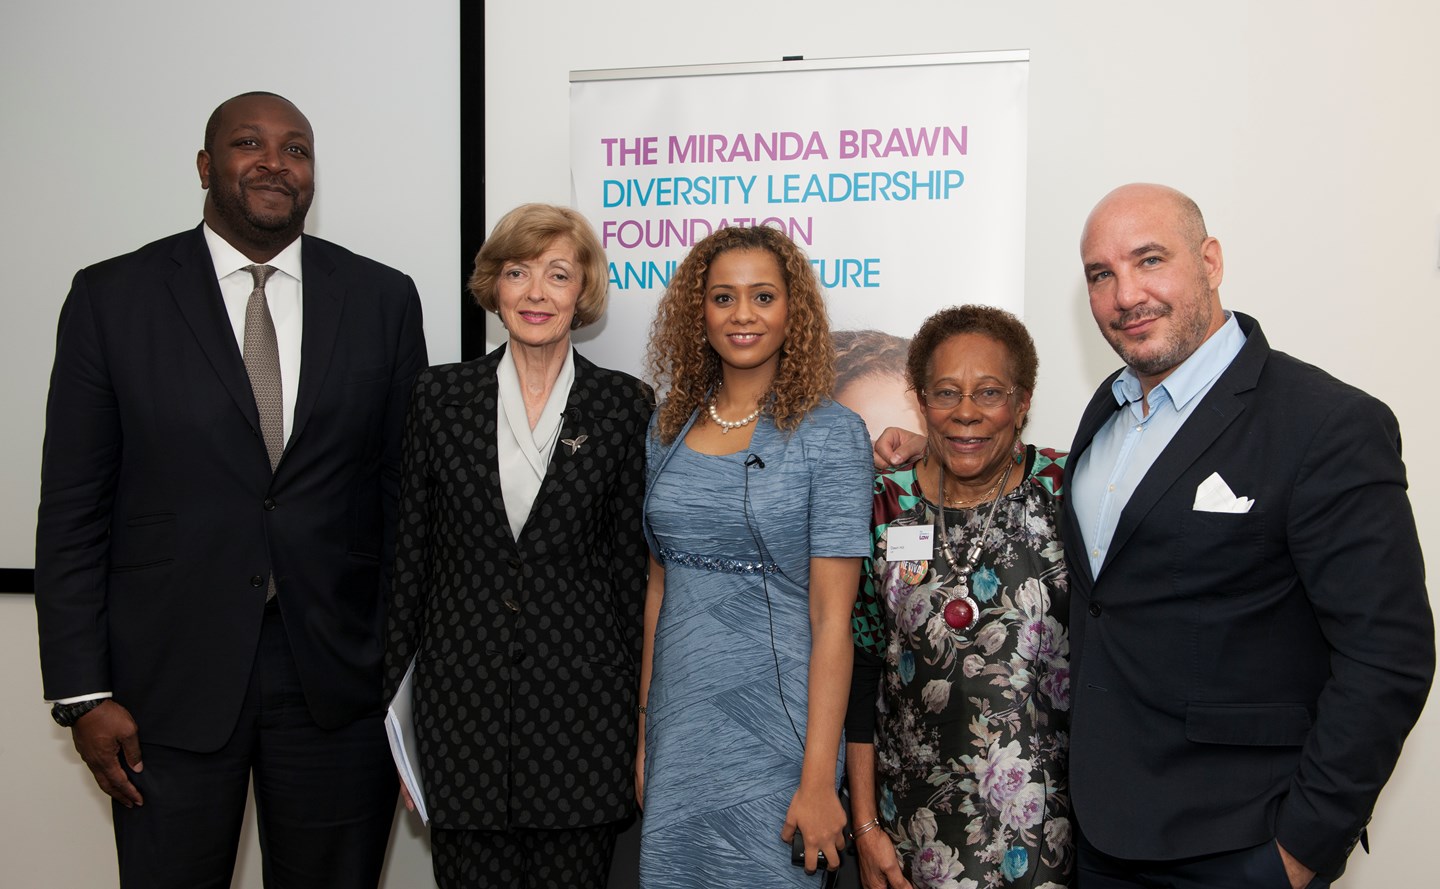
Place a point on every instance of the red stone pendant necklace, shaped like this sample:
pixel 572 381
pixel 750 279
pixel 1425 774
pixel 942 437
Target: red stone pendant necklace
pixel 961 611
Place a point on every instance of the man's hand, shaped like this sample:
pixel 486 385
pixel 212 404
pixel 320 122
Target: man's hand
pixel 101 737
pixel 1299 875
pixel 896 447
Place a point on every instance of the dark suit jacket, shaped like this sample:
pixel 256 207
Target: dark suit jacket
pixel 160 519
pixel 1238 678
pixel 526 651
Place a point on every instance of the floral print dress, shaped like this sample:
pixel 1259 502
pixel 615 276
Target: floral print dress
pixel 971 726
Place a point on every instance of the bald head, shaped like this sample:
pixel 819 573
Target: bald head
pixel 1148 198
pixel 212 125
pixel 1154 276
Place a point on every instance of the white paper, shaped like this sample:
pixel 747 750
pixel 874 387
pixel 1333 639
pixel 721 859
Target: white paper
pixel 910 543
pixel 400 729
pixel 1213 495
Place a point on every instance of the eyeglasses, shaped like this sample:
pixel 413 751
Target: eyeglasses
pixel 987 398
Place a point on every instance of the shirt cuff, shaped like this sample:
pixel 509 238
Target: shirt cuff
pixel 78 698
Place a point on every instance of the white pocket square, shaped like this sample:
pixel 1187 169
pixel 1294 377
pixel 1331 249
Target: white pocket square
pixel 1214 495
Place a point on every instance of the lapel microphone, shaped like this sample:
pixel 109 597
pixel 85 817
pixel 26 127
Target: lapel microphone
pixel 754 461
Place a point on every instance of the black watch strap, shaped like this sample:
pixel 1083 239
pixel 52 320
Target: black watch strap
pixel 66 715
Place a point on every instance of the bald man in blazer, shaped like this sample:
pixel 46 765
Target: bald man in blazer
pixel 211 610
pixel 1251 638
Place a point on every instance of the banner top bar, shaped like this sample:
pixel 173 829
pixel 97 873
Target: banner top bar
pixel 921 59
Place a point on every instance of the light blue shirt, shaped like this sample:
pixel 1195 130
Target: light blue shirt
pixel 1125 448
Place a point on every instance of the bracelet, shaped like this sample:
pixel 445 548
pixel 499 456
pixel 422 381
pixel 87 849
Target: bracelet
pixel 644 709
pixel 866 827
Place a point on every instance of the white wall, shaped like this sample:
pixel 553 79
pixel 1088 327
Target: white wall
pixel 1306 131
pixel 103 108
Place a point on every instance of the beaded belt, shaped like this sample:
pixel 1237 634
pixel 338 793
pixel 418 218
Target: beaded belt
pixel 717 563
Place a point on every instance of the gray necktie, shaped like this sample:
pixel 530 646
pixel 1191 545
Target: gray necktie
pixel 262 364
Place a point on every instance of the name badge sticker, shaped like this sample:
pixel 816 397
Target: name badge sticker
pixel 910 543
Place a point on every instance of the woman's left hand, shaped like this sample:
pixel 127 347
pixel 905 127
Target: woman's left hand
pixel 820 818
pixel 405 795
pixel 640 772
pixel 879 866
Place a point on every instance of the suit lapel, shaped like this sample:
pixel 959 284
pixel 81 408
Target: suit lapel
pixel 1220 407
pixel 564 465
pixel 652 472
pixel 1101 409
pixel 322 301
pixel 584 395
pixel 653 468
pixel 197 295
pixel 480 448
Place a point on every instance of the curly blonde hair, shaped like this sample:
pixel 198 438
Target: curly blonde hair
pixel 681 356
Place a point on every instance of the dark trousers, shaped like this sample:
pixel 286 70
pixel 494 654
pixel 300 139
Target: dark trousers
pixel 324 799
pixel 1258 867
pixel 524 859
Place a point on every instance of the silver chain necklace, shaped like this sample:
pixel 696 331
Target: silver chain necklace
pixel 962 611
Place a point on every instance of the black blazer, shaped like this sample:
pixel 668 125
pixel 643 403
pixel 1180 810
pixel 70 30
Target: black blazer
pixel 526 651
pixel 160 519
pixel 1243 677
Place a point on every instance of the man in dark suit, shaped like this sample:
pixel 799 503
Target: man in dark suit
pixel 1251 638
pixel 216 522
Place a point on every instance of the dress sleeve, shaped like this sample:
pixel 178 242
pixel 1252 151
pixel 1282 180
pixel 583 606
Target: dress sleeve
pixel 624 539
pixel 653 454
pixel 864 687
pixel 841 479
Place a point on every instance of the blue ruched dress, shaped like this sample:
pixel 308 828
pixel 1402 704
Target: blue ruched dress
pixel 723 748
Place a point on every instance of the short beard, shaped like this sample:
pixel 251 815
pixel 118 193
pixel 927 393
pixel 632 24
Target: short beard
pixel 1189 333
pixel 262 231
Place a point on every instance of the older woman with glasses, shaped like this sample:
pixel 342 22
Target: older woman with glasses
pixel 958 770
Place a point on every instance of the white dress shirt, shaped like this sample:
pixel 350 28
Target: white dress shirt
pixel 283 292
pixel 1129 443
pixel 523 453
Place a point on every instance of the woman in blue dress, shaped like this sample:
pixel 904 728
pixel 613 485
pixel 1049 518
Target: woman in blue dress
pixel 757 514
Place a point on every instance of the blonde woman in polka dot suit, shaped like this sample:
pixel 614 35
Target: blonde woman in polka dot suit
pixel 520 574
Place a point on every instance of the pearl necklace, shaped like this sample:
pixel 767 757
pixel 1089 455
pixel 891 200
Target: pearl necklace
pixel 727 425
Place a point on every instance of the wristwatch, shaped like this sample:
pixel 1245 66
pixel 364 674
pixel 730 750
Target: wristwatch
pixel 66 715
